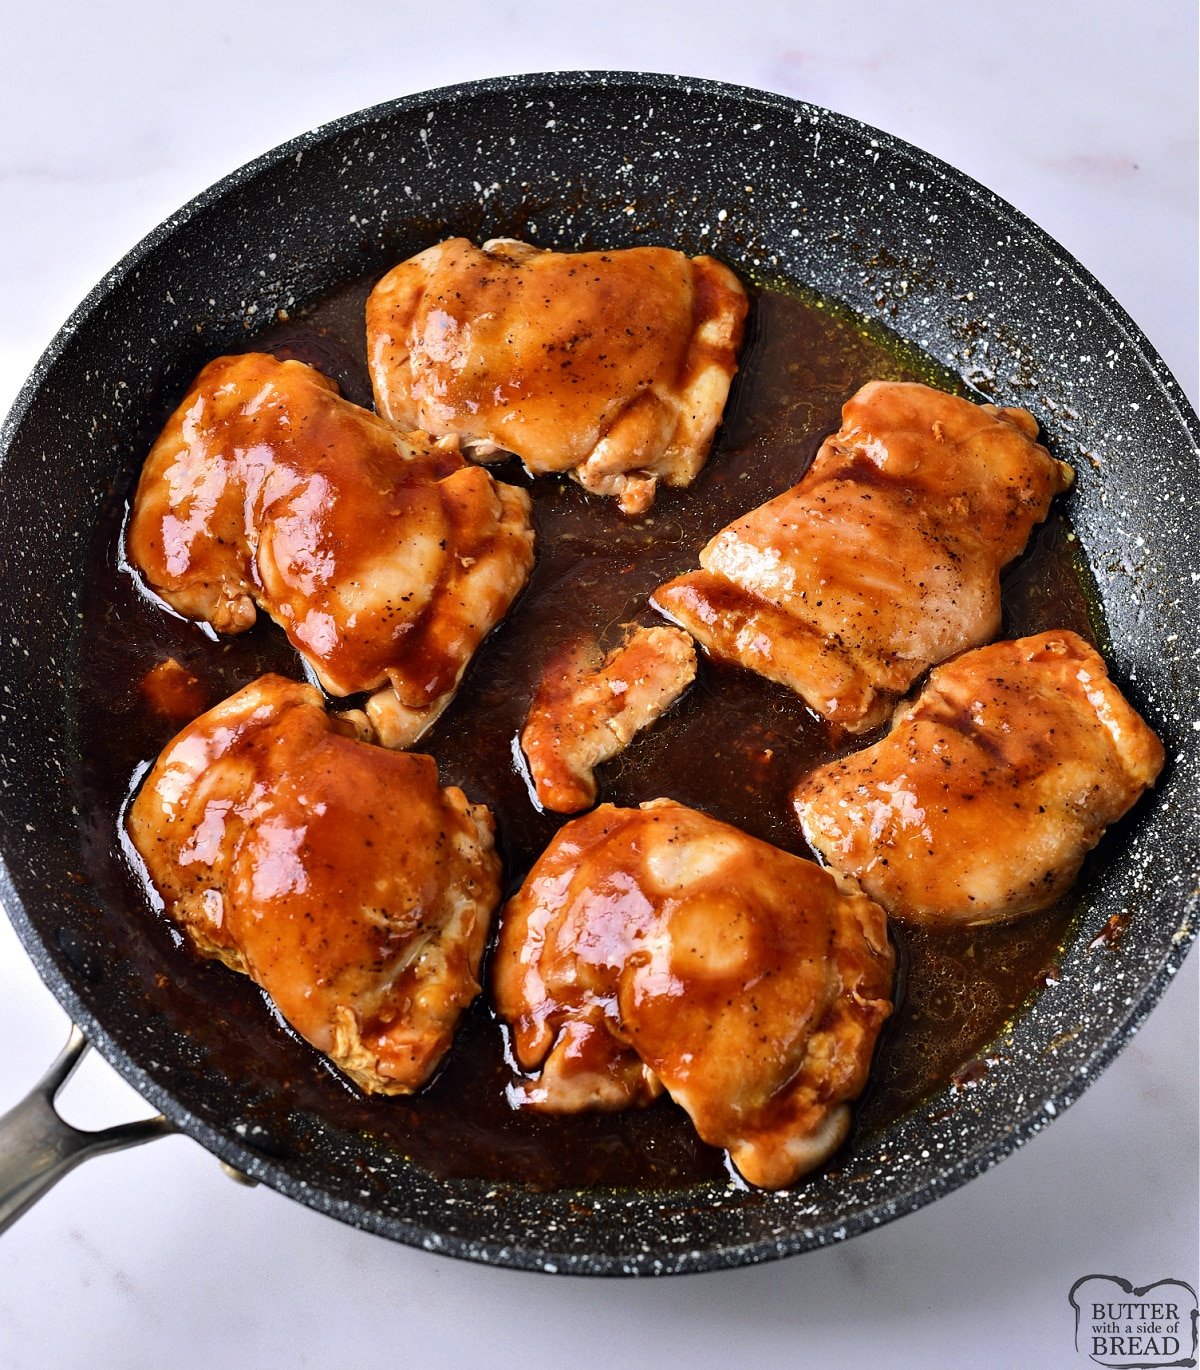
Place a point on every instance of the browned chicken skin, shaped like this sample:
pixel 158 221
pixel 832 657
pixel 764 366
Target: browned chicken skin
pixel 384 557
pixel 992 786
pixel 883 560
pixel 588 708
pixel 614 366
pixel 657 947
pixel 336 874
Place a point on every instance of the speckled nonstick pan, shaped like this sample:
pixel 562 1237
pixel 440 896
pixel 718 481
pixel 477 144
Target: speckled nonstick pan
pixel 778 189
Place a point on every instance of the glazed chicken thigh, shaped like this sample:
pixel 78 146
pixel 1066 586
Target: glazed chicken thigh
pixel 883 560
pixel 384 557
pixel 613 366
pixel 657 948
pixel 334 873
pixel 588 708
pixel 991 788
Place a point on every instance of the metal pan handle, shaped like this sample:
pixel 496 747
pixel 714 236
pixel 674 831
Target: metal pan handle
pixel 37 1148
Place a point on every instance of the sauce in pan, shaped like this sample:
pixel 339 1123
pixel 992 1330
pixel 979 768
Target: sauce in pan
pixel 733 746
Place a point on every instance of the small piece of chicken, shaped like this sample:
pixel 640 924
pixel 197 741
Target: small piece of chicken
pixel 336 874
pixel 883 560
pixel 384 557
pixel 587 709
pixel 992 786
pixel 656 947
pixel 614 366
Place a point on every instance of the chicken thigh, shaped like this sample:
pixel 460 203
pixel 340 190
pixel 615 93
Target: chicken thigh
pixel 992 786
pixel 384 557
pixel 613 366
pixel 657 948
pixel 587 709
pixel 883 560
pixel 336 874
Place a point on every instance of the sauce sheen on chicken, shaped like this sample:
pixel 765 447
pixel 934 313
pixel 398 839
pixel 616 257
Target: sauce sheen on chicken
pixel 991 788
pixel 612 366
pixel 650 949
pixel 338 875
pixel 657 948
pixel 384 557
pixel 588 708
pixel 883 560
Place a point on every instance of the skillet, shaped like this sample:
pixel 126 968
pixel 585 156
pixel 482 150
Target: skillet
pixel 778 189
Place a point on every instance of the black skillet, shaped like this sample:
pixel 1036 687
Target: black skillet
pixel 780 190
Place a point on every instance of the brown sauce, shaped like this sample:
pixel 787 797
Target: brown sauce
pixel 733 746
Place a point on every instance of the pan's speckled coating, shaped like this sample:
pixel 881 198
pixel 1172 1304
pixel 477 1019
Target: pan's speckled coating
pixel 778 189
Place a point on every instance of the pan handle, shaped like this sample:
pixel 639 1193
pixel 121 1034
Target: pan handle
pixel 37 1147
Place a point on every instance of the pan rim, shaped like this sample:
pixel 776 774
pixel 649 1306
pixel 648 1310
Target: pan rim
pixel 532 1256
pixel 566 79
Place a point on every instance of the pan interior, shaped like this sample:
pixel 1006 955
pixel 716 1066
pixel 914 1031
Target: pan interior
pixel 783 192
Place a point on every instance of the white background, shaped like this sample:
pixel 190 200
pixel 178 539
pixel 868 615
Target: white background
pixel 1083 114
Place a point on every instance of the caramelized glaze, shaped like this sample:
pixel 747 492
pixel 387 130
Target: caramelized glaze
pixel 883 560
pixel 384 557
pixel 990 788
pixel 588 707
pixel 733 746
pixel 656 948
pixel 613 366
pixel 335 873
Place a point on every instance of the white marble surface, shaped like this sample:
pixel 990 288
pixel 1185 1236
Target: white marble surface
pixel 1083 114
